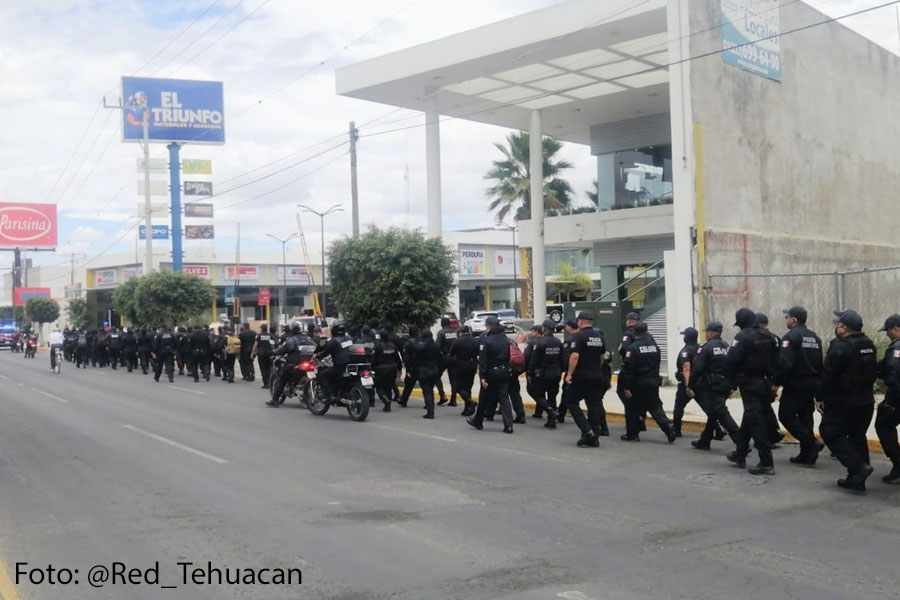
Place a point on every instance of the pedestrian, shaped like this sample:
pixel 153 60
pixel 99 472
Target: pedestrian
pixel 145 349
pixel 708 379
pixel 82 349
pixel 115 348
pixel 130 349
pixel 750 363
pixel 545 366
pixel 445 338
pixel 888 417
pixel 494 372
pixel 200 353
pixel 799 372
pixel 641 380
pixel 262 351
pixel 164 354
pixel 585 378
pixel 230 353
pixel 570 330
pixel 533 335
pixel 775 435
pixel 846 398
pixel 428 357
pixel 386 363
pixel 683 393
pixel 465 354
pixel 411 365
pixel 101 349
pixel 181 349
pixel 631 319
pixel 247 338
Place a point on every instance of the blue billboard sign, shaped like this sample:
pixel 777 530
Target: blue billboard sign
pixel 160 232
pixel 750 41
pixel 181 110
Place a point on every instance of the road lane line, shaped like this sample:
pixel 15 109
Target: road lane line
pixel 175 444
pixel 3 377
pixel 57 398
pixel 175 387
pixel 7 589
pixel 411 432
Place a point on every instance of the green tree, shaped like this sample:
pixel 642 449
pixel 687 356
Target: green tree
pixel 124 298
pixel 77 311
pixel 396 275
pixel 42 310
pixel 570 282
pixel 165 298
pixel 511 190
pixel 593 194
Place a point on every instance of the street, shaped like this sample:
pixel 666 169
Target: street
pixel 101 466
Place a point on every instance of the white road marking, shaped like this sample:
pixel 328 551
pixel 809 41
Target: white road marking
pixel 575 595
pixel 175 444
pixel 43 393
pixel 3 377
pixel 410 432
pixel 95 372
pixel 175 387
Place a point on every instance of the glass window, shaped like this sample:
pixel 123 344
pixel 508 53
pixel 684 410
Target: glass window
pixel 641 177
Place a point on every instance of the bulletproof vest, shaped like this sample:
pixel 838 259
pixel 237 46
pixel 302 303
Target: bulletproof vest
pixel 645 359
pixel 450 336
pixel 115 341
pixel 686 355
pixel 549 349
pixel 129 341
pixel 715 372
pixel 341 355
pixel 387 352
pixel 760 356
pixel 82 340
pixel 862 364
pixel 467 349
pixel 891 363
pixel 166 343
pixel 264 344
pixel 627 340
pixel 496 348
pixel 808 347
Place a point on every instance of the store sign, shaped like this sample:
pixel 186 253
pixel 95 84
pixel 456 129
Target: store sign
pixel 158 209
pixel 160 232
pixel 27 225
pixel 157 165
pixel 264 296
pixel 242 272
pixel 24 294
pixel 229 295
pixel 198 270
pixel 199 232
pixel 73 291
pixel 196 166
pixel 203 211
pixel 180 110
pixel 129 272
pixel 750 36
pixel 105 277
pixel 157 187
pixel 294 274
pixel 503 263
pixel 471 262
pixel 198 188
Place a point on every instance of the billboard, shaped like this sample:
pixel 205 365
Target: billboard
pixel 204 211
pixel 129 272
pixel 27 225
pixel 196 166
pixel 294 274
pixel 199 232
pixel 471 262
pixel 180 110
pixel 198 270
pixel 503 263
pixel 198 188
pixel 157 165
pixel 24 294
pixel 264 296
pixel 750 40
pixel 155 209
pixel 242 272
pixel 105 277
pixel 158 187
pixel 160 232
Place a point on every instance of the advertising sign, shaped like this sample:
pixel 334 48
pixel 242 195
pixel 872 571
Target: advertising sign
pixel 198 270
pixel 750 40
pixel 160 232
pixel 265 295
pixel 180 110
pixel 503 263
pixel 198 188
pixel 229 295
pixel 199 232
pixel 471 262
pixel 196 166
pixel 73 290
pixel 294 274
pixel 129 272
pixel 157 165
pixel 243 272
pixel 157 187
pixel 27 225
pixel 24 294
pixel 204 211
pixel 155 209
pixel 105 277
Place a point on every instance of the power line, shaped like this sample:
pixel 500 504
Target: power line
pixel 74 151
pixel 177 36
pixel 197 39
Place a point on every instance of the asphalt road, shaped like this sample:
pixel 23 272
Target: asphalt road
pixel 99 467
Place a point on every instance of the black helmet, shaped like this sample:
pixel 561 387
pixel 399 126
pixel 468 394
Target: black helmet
pixel 338 328
pixel 296 328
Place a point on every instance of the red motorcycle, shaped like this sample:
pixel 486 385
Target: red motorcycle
pixel 30 347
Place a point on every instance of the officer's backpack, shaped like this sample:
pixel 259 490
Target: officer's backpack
pixel 82 340
pixel 233 346
pixel 516 359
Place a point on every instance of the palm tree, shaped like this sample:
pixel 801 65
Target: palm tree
pixel 593 194
pixel 511 192
pixel 571 282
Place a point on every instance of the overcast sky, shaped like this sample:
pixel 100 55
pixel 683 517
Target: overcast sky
pixel 59 57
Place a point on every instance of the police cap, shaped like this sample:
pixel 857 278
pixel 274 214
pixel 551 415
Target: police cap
pixel 640 328
pixel 714 326
pixel 849 318
pixel 891 322
pixel 632 316
pixel 549 324
pixel 797 312
pixel 585 316
pixel 492 321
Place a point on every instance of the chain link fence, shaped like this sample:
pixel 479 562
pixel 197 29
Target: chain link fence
pixel 874 293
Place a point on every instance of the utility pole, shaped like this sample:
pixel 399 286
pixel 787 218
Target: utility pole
pixel 322 215
pixel 282 299
pixel 354 191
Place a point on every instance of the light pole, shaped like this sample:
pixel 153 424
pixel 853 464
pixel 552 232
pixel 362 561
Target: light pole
pixel 322 215
pixel 282 300
pixel 515 270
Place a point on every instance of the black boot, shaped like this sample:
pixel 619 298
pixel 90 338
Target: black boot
pixel 738 461
pixel 893 478
pixel 762 469
pixel 588 441
pixel 551 420
pixel 697 444
pixel 856 482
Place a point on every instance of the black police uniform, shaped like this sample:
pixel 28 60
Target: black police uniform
pixel 493 368
pixel 101 349
pixel 290 349
pixel 563 405
pixel 444 339
pixel 410 361
pixel 799 371
pixel 129 350
pixel 145 349
pixel 338 348
pixel 465 354
pixel 685 355
pixel 771 420
pixel 429 359
pixel 264 350
pixel 386 363
pixel 640 376
pixel 545 367
pixel 529 383
pixel 712 384
pixel 629 405
pixel 115 348
pixel 248 338
pixel 82 349
pixel 849 372
pixel 750 362
pixel 200 353
pixel 889 410
pixel 164 349
pixel 588 383
pixel 215 357
pixel 181 349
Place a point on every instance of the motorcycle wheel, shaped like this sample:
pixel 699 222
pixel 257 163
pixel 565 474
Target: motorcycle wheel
pixel 274 386
pixel 317 404
pixel 358 403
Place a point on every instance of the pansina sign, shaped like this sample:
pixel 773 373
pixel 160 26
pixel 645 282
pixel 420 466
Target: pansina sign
pixel 27 225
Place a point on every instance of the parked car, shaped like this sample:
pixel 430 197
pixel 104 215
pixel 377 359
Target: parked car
pixel 556 313
pixel 477 318
pixel 507 317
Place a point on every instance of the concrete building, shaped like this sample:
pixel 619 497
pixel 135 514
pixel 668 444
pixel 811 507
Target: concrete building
pixel 722 146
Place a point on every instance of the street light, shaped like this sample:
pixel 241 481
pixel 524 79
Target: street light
pixel 322 215
pixel 515 271
pixel 282 301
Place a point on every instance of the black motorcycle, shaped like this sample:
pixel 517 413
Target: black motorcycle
pixel 297 380
pixel 356 386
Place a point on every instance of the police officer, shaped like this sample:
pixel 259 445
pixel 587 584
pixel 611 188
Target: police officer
pixel 750 362
pixel 386 363
pixel 290 349
pixel 641 381
pixel 683 393
pixel 338 348
pixel 164 353
pixel 775 435
pixel 709 380
pixel 145 348
pixel 494 372
pixel 181 349
pixel 248 339
pixel 411 364
pixel 545 366
pixel 262 351
pixel 82 349
pixel 535 333
pixel 585 376
pixel 130 349
pixel 465 355
pixel 888 417
pixel 101 348
pixel 429 360
pixel 445 338
pixel 200 352
pixel 115 347
pixel 216 346
pixel 631 319
pixel 571 329
pixel 846 399
pixel 798 372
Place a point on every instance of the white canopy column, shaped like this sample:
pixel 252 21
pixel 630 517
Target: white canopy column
pixel 433 168
pixel 536 158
